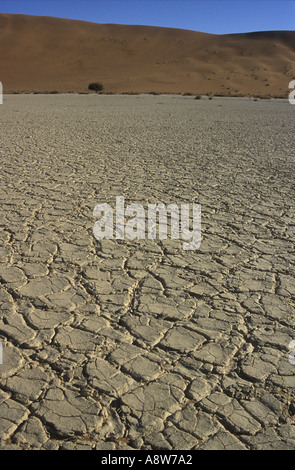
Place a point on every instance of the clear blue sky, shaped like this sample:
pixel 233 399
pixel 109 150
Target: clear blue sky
pixel 211 16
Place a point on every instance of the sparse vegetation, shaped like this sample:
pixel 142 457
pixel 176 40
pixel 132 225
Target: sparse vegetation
pixel 95 86
pixel 45 92
pixel 198 97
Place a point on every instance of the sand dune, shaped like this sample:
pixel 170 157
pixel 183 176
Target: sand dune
pixel 43 54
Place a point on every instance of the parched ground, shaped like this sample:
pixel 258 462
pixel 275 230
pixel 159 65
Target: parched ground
pixel 120 344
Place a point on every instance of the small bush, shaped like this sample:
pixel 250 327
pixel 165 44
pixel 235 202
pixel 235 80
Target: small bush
pixel 198 97
pixel 96 86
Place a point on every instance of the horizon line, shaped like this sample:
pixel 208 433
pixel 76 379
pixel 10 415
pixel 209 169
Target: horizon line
pixel 149 25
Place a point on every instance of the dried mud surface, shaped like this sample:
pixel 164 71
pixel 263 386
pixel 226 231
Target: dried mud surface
pixel 121 344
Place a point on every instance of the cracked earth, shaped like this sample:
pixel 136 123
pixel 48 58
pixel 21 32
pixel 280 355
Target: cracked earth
pixel 138 344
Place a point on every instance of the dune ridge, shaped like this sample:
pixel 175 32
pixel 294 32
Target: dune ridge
pixel 45 54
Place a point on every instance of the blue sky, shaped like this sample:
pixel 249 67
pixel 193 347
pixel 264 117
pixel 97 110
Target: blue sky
pixel 210 16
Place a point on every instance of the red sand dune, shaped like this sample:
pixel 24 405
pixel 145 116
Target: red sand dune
pixel 46 54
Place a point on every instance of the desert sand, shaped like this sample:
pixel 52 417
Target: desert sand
pixel 42 54
pixel 120 344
